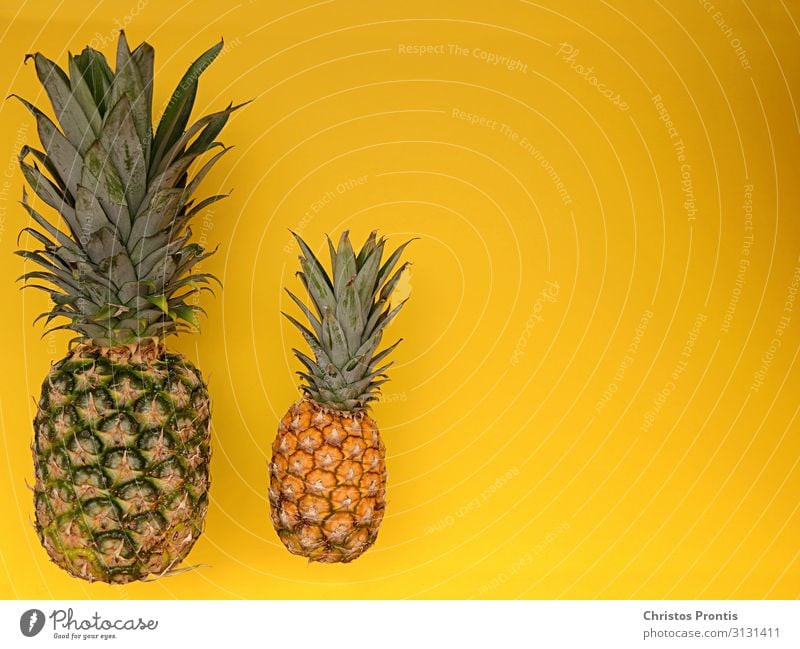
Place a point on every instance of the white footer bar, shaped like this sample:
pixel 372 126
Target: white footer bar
pixel 388 624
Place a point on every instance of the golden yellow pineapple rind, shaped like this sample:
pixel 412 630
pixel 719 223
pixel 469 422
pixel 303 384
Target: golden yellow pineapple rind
pixel 327 489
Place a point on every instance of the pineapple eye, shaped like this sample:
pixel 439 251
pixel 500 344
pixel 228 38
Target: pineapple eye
pixel 119 426
pixel 152 412
pixel 93 406
pixel 115 547
pixel 154 439
pixel 149 523
pixel 101 513
pixel 178 393
pixel 124 460
pixel 91 477
pixel 138 490
pixel 126 388
pixel 187 375
pixel 86 442
pixel 168 470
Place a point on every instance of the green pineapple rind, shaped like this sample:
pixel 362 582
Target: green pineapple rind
pixel 121 454
pixel 352 308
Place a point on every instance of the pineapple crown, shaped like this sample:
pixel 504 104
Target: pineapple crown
pixel 351 309
pixel 120 269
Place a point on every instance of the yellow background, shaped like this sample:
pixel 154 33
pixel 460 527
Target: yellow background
pixel 547 235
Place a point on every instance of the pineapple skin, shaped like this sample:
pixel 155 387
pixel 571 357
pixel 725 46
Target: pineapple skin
pixel 121 455
pixel 327 489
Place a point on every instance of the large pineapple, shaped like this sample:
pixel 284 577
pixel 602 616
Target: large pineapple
pixel 121 446
pixel 328 476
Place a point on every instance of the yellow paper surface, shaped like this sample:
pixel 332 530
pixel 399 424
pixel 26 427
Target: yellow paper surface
pixel 597 392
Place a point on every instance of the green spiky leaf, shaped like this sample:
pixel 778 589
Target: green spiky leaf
pixel 124 264
pixel 352 315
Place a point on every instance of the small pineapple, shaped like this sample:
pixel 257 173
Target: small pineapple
pixel 121 448
pixel 328 474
